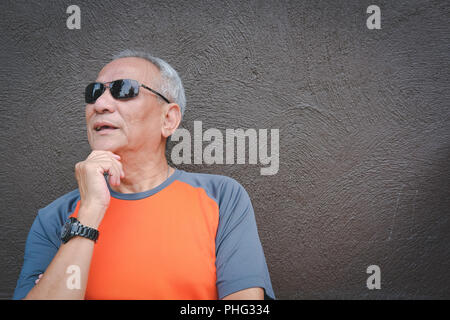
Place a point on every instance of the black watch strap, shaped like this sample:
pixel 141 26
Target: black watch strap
pixel 86 232
pixel 73 227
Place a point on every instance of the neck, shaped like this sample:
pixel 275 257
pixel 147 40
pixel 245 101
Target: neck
pixel 142 172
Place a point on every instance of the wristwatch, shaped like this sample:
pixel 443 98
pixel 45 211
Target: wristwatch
pixel 73 228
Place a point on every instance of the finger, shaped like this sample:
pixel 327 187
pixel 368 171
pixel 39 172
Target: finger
pixel 111 180
pixel 110 164
pixel 112 170
pixel 119 163
pixel 107 156
pixel 111 177
pixel 117 171
pixel 115 180
pixel 120 166
pixel 95 154
pixel 39 278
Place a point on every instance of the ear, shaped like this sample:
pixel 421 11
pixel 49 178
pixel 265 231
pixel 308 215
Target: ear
pixel 171 119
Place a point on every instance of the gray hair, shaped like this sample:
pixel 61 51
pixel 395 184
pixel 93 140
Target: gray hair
pixel 171 85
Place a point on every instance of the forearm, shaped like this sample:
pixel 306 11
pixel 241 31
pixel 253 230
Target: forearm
pixel 54 283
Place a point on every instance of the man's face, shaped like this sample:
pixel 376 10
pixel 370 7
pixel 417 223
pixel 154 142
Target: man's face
pixel 138 120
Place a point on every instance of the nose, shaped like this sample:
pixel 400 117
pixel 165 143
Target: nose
pixel 105 103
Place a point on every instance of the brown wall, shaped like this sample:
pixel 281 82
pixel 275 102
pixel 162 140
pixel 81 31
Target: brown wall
pixel 363 117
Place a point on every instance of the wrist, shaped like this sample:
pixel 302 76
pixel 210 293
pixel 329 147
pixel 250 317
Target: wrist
pixel 90 217
pixel 89 222
pixel 74 227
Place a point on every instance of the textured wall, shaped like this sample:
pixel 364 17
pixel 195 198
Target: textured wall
pixel 363 115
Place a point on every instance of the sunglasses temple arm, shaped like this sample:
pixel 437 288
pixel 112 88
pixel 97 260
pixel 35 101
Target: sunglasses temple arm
pixel 155 92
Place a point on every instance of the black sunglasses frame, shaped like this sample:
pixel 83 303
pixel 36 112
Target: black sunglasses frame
pixel 134 84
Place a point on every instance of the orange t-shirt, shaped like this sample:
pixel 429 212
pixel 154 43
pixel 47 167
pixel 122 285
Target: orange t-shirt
pixel 192 237
pixel 159 247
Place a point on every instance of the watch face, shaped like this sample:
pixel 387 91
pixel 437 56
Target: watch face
pixel 65 230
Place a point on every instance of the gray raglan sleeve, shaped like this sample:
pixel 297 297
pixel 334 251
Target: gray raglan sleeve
pixel 240 260
pixel 43 240
pixel 39 252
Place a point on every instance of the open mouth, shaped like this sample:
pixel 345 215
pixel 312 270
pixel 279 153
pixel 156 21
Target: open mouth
pixel 102 128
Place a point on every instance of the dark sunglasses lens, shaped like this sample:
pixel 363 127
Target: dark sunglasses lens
pixel 93 92
pixel 124 89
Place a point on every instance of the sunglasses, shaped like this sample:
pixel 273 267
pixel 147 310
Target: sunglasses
pixel 120 89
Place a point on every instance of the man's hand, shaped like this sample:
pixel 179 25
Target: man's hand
pixel 95 197
pixel 94 193
pixel 39 278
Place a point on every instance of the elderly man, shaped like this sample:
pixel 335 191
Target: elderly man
pixel 136 228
